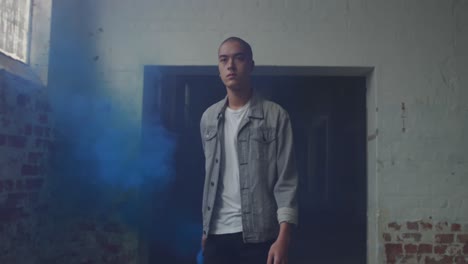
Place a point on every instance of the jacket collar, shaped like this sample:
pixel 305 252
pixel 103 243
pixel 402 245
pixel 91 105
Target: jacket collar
pixel 255 109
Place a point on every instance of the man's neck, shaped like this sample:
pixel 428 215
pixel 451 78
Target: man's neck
pixel 237 98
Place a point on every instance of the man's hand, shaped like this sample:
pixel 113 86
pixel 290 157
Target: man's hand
pixel 279 250
pixel 203 241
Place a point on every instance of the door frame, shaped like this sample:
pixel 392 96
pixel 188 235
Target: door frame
pixel 158 78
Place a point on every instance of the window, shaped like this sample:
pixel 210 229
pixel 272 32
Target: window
pixel 14 28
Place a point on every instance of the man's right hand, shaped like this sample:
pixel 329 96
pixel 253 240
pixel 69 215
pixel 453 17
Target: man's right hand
pixel 203 241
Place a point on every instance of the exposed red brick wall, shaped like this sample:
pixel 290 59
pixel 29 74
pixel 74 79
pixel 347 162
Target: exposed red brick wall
pixel 23 166
pixel 426 242
pixel 28 232
pixel 23 163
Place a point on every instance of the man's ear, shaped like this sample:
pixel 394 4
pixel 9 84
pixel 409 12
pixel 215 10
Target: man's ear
pixel 252 65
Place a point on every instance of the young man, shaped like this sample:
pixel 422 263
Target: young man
pixel 249 198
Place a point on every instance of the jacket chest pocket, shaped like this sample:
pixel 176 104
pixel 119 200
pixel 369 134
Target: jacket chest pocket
pixel 210 141
pixel 263 143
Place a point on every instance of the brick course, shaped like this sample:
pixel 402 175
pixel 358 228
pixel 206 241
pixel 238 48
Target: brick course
pixel 445 243
pixel 26 142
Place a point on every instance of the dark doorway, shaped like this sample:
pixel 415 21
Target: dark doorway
pixel 328 115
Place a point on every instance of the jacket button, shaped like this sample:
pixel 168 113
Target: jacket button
pixel 204 232
pixel 216 160
pixel 212 183
pixel 209 208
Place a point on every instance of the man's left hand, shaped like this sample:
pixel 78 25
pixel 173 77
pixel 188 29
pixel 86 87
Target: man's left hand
pixel 278 252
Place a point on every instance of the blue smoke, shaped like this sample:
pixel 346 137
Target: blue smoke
pixel 99 162
pixel 102 168
pixel 103 165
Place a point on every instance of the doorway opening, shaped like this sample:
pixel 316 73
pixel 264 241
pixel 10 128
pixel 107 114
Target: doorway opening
pixel 327 108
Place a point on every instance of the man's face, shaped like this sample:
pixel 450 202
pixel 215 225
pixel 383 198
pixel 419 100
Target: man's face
pixel 235 66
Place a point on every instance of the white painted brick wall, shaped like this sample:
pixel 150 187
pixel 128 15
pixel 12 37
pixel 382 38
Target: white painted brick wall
pixel 40 38
pixel 418 49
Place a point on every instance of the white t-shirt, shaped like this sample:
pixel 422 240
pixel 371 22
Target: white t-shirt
pixel 227 215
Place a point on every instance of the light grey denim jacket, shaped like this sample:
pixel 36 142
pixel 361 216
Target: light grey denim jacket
pixel 267 169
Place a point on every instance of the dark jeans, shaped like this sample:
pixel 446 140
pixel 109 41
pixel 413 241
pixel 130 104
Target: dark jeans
pixel 231 249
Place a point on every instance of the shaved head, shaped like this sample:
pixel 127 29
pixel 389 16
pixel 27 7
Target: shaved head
pixel 245 46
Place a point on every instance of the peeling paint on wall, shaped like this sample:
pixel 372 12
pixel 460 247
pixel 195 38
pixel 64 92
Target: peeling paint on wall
pixel 373 136
pixel 403 117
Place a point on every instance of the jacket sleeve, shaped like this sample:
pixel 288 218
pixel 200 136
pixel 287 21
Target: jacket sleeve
pixel 286 185
pixel 202 131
